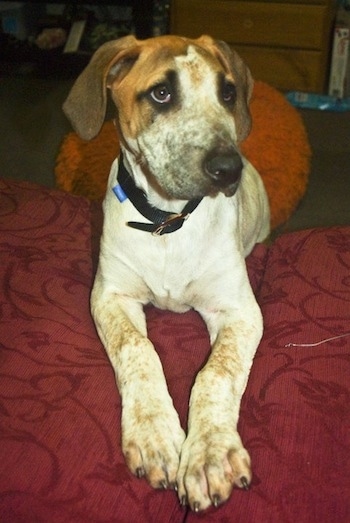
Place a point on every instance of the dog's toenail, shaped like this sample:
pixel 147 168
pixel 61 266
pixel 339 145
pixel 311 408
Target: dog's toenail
pixel 196 506
pixel 244 483
pixel 183 501
pixel 163 484
pixel 140 472
pixel 216 500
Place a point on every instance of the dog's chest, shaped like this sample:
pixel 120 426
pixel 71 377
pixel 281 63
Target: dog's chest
pixel 171 274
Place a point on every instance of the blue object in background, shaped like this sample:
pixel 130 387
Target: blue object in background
pixel 318 101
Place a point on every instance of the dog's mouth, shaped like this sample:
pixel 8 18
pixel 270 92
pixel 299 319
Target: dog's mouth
pixel 205 189
pixel 207 186
pixel 231 189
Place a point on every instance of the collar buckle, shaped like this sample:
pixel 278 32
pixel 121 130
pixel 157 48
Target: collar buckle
pixel 171 220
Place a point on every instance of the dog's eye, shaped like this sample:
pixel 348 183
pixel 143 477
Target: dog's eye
pixel 229 93
pixel 161 94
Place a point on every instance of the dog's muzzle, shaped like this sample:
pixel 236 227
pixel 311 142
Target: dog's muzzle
pixel 224 168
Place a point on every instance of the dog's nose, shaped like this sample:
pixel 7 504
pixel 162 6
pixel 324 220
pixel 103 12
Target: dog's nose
pixel 224 166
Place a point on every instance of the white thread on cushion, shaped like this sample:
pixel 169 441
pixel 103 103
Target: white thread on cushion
pixel 318 342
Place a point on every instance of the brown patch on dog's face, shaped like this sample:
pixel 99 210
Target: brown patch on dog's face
pixel 152 67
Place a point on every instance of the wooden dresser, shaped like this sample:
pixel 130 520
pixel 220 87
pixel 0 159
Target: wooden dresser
pixel 285 43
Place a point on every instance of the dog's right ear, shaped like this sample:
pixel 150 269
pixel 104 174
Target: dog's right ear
pixel 86 104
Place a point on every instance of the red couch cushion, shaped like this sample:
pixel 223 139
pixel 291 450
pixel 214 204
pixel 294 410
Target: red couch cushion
pixel 59 407
pixel 298 402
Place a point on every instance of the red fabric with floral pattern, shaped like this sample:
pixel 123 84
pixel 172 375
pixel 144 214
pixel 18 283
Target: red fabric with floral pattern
pixel 60 458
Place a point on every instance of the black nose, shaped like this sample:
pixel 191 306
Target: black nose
pixel 224 166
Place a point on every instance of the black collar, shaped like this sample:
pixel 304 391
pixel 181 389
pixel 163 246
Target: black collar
pixel 163 222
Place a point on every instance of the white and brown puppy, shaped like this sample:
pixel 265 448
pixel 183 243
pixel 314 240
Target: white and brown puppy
pixel 183 208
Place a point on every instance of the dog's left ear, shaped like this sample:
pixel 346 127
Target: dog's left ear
pixel 242 77
pixel 244 84
pixel 86 104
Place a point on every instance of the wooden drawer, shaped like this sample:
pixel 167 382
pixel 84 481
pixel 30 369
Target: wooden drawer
pixel 285 42
pixel 286 69
pixel 253 23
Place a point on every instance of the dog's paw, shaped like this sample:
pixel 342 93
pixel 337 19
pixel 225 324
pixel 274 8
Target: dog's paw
pixel 152 443
pixel 212 463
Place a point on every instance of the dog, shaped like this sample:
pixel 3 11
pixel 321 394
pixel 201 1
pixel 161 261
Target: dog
pixel 183 209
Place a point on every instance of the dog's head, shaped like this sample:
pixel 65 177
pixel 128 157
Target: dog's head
pixel 182 109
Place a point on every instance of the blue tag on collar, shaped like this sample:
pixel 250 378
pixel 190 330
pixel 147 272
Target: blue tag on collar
pixel 120 194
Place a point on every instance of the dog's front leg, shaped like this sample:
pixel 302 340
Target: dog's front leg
pixel 151 433
pixel 213 458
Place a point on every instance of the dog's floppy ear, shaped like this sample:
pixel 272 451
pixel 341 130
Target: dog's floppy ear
pixel 86 104
pixel 234 65
pixel 244 85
